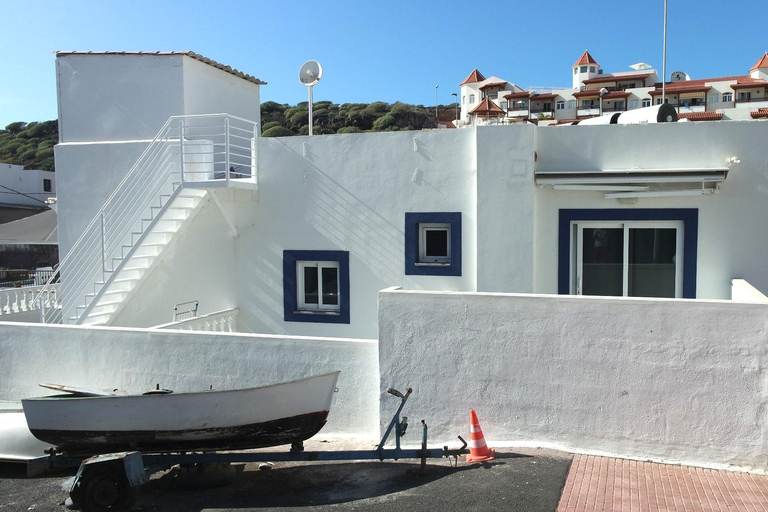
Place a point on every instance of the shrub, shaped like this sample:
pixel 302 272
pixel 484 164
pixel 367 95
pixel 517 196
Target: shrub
pixel 383 123
pixel 349 129
pixel 269 125
pixel 277 131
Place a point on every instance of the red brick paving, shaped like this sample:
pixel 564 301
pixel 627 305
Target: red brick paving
pixel 603 484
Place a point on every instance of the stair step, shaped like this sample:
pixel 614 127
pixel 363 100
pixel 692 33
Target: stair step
pixel 175 214
pixel 96 320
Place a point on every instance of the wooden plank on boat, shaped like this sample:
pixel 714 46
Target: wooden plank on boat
pixel 80 391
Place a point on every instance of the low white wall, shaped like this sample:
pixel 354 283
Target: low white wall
pixel 661 379
pixel 742 291
pixel 137 359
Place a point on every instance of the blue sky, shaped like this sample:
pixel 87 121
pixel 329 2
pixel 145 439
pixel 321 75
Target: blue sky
pixel 375 51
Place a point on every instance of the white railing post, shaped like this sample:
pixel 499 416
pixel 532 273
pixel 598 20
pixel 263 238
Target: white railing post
pixel 226 148
pixel 103 247
pixel 181 149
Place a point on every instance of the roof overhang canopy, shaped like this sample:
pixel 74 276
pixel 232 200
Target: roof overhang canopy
pixel 634 183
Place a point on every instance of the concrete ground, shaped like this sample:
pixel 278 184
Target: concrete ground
pixel 519 480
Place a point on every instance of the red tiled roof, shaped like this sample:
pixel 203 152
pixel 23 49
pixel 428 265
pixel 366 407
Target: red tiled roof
pixel 620 78
pixel 589 93
pixel 487 107
pixel 701 116
pixel 746 84
pixel 493 84
pixel 678 90
pixel 517 95
pixel 547 96
pixel 759 113
pixel 474 77
pixel 196 56
pixel 762 63
pixel 585 58
pixel 616 95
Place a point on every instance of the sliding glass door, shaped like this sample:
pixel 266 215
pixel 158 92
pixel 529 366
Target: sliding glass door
pixel 628 258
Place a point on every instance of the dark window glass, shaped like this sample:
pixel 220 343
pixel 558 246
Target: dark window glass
pixel 603 257
pixel 330 286
pixel 652 262
pixel 436 243
pixel 310 285
pixel 46 185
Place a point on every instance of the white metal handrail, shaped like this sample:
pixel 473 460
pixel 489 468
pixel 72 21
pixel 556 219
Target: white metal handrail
pixel 197 148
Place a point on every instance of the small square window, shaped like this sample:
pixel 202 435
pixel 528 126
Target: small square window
pixel 560 105
pixel 433 243
pixel 727 96
pixel 583 69
pixel 316 286
pixel 46 185
pixel 471 98
pixel 647 102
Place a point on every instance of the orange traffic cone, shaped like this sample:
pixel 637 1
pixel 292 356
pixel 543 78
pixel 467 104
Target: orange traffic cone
pixel 478 450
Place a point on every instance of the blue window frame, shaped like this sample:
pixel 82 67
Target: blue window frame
pixel 433 244
pixel 688 216
pixel 316 286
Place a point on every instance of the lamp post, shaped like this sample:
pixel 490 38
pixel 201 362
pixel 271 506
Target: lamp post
pixel 456 101
pixel 437 119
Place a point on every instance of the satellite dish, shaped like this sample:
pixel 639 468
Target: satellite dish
pixel 679 76
pixel 310 73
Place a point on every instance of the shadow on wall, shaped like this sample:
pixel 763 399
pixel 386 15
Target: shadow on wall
pixel 337 215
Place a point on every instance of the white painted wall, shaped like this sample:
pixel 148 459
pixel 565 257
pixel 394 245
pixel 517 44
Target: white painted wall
pixel 28 182
pixel 208 90
pixel 661 379
pixel 138 359
pixel 505 208
pixel 350 193
pixel 116 97
pixel 732 242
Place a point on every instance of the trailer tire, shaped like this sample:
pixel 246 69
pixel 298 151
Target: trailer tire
pixel 106 490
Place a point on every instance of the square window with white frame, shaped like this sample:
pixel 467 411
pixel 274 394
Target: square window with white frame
pixel 727 96
pixel 646 102
pixel 316 286
pixel 560 105
pixel 433 243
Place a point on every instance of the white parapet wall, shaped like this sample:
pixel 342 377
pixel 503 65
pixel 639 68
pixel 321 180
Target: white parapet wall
pixel 670 380
pixel 137 359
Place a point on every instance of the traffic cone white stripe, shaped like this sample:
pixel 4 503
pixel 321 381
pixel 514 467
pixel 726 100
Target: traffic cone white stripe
pixel 474 429
pixel 477 443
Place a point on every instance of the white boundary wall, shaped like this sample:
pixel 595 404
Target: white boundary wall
pixel 137 359
pixel 671 380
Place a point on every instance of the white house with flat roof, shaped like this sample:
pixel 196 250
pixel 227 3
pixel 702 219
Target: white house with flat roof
pixel 574 284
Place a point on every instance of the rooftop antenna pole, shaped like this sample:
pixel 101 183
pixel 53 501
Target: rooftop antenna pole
pixel 310 73
pixel 664 60
pixel 437 118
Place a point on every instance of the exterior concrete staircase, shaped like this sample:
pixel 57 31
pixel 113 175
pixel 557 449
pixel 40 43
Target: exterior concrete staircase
pixel 165 222
pixel 170 183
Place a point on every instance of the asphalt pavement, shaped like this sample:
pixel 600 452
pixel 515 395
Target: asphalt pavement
pixel 529 480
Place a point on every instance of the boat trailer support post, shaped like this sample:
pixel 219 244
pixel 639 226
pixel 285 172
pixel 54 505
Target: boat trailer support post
pixel 395 421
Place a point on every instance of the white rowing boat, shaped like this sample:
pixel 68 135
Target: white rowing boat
pixel 258 417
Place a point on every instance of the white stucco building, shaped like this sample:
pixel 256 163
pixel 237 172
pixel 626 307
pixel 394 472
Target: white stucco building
pixel 595 93
pixel 543 275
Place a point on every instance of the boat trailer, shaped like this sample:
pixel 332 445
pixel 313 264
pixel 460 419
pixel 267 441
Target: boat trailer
pixel 108 482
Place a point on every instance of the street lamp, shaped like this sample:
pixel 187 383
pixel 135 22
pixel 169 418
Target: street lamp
pixel 456 101
pixel 437 118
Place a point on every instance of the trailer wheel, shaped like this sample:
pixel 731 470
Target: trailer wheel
pixel 106 490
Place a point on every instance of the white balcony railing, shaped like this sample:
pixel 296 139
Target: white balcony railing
pixel 28 298
pixel 221 321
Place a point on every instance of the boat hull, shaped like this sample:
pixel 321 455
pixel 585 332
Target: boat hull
pixel 213 420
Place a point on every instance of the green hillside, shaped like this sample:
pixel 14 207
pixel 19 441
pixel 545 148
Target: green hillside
pixel 31 144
